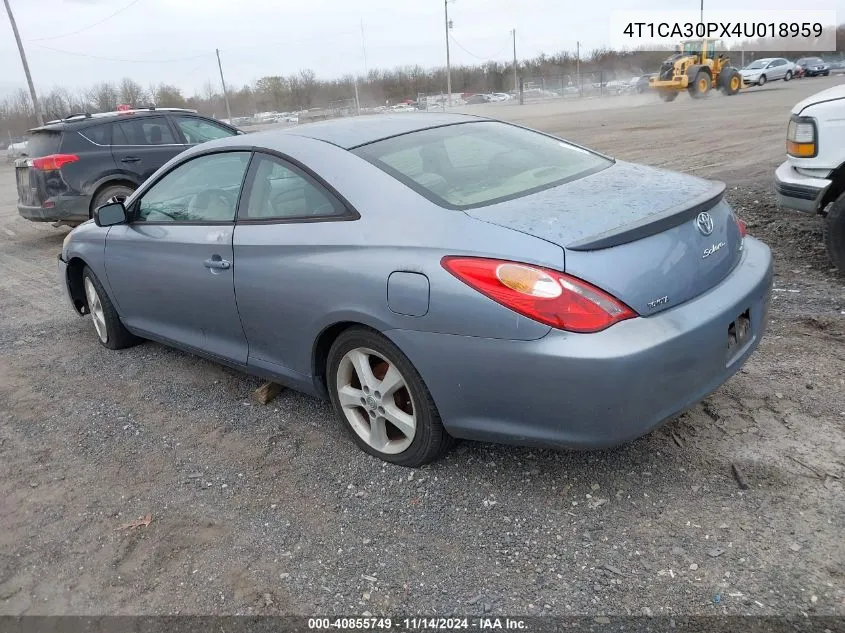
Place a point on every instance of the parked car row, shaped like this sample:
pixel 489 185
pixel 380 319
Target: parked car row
pixel 761 71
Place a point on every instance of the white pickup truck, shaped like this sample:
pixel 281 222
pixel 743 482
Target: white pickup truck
pixel 812 178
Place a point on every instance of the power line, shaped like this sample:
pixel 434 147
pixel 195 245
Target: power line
pixel 484 59
pixel 90 26
pixel 119 59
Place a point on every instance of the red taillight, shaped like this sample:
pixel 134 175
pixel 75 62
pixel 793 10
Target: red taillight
pixel 541 294
pixel 53 161
pixel 742 230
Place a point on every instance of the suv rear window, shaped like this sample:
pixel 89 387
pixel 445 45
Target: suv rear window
pixel 470 165
pixel 43 143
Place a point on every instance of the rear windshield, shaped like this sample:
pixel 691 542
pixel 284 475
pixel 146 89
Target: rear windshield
pixel 43 143
pixel 475 164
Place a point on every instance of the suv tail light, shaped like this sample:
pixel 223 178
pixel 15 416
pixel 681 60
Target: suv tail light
pixel 548 296
pixel 53 161
pixel 801 137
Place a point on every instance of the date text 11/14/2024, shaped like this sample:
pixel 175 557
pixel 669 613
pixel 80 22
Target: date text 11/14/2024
pixel 417 623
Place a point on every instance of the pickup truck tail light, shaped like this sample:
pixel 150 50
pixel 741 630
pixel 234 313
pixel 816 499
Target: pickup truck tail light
pixel 801 137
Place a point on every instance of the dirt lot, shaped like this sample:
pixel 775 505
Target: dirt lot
pixel 273 510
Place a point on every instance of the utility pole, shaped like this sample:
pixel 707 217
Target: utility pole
pixel 448 63
pixel 578 65
pixel 39 117
pixel 515 80
pixel 357 102
pixel 702 11
pixel 223 81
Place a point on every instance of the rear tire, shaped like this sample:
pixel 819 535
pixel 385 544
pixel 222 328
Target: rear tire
pixel 834 233
pixel 418 437
pixel 110 331
pixel 121 192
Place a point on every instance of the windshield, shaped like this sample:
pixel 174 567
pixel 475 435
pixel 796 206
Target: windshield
pixel 692 47
pixel 758 64
pixel 471 165
pixel 810 60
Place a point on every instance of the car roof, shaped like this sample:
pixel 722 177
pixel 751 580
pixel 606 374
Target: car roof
pixel 350 132
pixel 85 119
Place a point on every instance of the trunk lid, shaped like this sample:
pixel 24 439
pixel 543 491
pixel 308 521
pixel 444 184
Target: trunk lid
pixel 633 231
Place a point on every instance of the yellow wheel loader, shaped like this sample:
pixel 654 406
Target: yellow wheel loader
pixel 696 68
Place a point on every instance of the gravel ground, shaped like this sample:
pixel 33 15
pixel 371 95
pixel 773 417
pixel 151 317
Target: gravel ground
pixel 271 509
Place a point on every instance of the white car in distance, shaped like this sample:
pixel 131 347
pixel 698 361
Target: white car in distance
pixel 761 71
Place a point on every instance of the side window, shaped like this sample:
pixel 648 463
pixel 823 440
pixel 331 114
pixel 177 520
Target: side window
pixel 196 130
pixel 99 134
pixel 283 191
pixel 204 189
pixel 143 131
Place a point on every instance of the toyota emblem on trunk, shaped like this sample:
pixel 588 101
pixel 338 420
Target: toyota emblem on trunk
pixel 704 222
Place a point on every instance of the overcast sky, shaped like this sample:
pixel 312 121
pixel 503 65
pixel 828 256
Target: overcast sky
pixel 173 41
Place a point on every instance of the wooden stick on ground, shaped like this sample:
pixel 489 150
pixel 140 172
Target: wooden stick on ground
pixel 267 392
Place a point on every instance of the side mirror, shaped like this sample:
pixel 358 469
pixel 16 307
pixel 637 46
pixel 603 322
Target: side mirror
pixel 110 214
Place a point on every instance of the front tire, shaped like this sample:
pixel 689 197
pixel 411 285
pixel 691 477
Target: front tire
pixel 762 80
pixel 834 233
pixel 788 75
pixel 382 401
pixel 110 331
pixel 700 85
pixel 667 94
pixel 731 81
pixel 118 192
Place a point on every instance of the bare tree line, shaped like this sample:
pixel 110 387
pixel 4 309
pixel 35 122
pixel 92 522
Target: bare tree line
pixel 303 90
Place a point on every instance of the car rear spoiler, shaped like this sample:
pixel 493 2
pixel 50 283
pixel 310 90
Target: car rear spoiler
pixel 653 224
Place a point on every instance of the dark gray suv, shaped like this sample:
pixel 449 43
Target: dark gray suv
pixel 74 165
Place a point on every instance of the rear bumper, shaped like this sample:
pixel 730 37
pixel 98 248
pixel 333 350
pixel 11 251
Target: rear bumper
pixel 65 209
pixel 593 390
pixel 797 191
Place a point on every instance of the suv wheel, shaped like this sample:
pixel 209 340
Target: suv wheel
pixel 112 193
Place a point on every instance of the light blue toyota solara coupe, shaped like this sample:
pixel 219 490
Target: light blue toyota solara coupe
pixel 436 276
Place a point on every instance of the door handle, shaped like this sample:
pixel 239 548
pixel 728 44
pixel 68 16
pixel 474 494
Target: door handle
pixel 130 159
pixel 217 263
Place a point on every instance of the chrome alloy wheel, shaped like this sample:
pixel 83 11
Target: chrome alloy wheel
pixel 376 401
pixel 95 307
